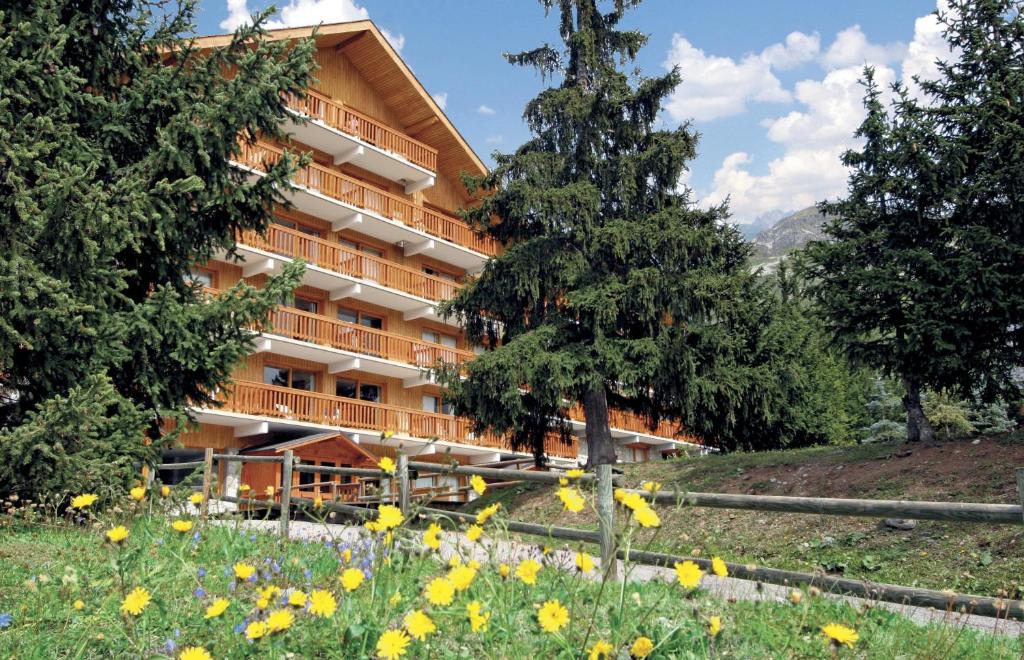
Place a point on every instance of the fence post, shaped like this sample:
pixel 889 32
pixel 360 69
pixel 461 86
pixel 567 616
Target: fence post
pixel 1020 489
pixel 606 521
pixel 286 492
pixel 403 483
pixel 204 506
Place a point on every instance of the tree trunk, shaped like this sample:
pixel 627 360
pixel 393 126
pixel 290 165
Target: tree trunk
pixel 600 448
pixel 918 428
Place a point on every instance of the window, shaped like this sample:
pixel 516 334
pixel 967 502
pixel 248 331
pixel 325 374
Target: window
pixel 351 389
pixel 434 404
pixel 429 270
pixel 291 224
pixel 306 305
pixel 362 318
pixel 435 337
pixel 306 479
pixel 284 377
pixel 200 277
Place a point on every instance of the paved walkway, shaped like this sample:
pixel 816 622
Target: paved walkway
pixel 511 552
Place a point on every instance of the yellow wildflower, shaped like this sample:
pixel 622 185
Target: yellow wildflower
pixel 641 648
pixel 262 603
pixel 431 537
pixel 714 626
pixel 795 596
pixel 571 498
pixel 462 577
pixel 78 604
pixel 575 473
pixel 351 578
pixel 196 498
pixel 688 574
pixel 255 630
pixel 486 513
pixel 318 502
pixel 477 617
pixel 182 526
pixel 478 484
pixel 474 532
pixel 392 644
pixel 651 486
pixel 347 555
pixel 527 571
pixel 270 491
pixel 216 608
pixel 395 599
pixel 504 570
pixel 632 501
pixel 244 571
pixel 165 491
pixel 322 604
pixel 601 649
pixel 297 599
pixel 244 488
pixel 117 534
pixel 552 616
pixel 837 633
pixel 269 591
pixel 718 567
pixel 280 620
pixel 389 516
pixel 136 601
pixel 83 501
pixel 647 517
pixel 387 465
pixel 419 624
pixel 138 493
pixel 584 562
pixel 440 591
pixel 195 653
pixel 562 481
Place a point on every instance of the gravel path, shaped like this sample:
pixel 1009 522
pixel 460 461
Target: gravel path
pixel 512 551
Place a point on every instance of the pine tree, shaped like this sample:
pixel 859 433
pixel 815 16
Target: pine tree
pixel 922 276
pixel 117 135
pixel 614 289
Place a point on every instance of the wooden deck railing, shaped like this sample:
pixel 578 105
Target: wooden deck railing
pixel 627 421
pixel 361 195
pixel 263 400
pixel 342 259
pixel 338 115
pixel 325 331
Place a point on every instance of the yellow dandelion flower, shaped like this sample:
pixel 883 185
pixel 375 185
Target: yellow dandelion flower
pixel 318 502
pixel 477 617
pixel 718 567
pixel 527 571
pixel 347 555
pixel 182 526
pixel 562 481
pixel 255 630
pixel 454 561
pixel 440 591
pixel 262 603
pixel 270 490
pixel 688 574
pixel 392 644
pixel 269 591
pixel 84 501
pixel 504 570
pixel 462 577
pixel 322 604
pixel 478 484
pixel 486 513
pixel 117 534
pixel 195 653
pixel 474 564
pixel 244 571
pixel 389 516
pixel 216 608
pixel 575 473
pixel 395 599
pixel 165 491
pixel 432 537
pixel 651 486
pixel 474 532
pixel 297 599
pixel 280 620
pixel 351 578
pixel 419 624
pixel 571 498
pixel 387 465
pixel 641 648
pixel 136 601
pixel 244 488
pixel 138 493
pixel 78 605
pixel 838 634
pixel 584 562
pixel 647 517
pixel 196 498
pixel 600 649
pixel 552 616
pixel 632 501
pixel 714 626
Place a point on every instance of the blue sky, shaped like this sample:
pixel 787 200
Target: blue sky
pixel 771 86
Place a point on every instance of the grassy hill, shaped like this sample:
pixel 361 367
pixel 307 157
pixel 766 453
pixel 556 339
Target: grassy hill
pixel 980 559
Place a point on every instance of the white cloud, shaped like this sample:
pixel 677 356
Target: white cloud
pixel 852 48
pixel 485 110
pixel 716 87
pixel 494 139
pixel 306 12
pixel 441 98
pixel 926 48
pixel 797 49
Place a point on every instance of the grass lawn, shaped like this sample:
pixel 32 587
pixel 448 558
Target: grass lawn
pixel 970 558
pixel 63 585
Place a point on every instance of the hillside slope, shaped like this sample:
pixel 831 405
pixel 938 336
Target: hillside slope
pixel 788 234
pixel 979 559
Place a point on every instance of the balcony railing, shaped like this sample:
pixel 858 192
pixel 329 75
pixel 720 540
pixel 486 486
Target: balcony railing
pixel 338 115
pixel 341 259
pixel 317 329
pixel 360 195
pixel 627 421
pixel 250 398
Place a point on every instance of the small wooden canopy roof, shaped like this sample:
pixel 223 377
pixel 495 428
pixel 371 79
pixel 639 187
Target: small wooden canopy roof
pixel 377 61
pixel 297 444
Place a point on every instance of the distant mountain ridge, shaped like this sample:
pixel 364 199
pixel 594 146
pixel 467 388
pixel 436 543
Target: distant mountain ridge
pixel 791 233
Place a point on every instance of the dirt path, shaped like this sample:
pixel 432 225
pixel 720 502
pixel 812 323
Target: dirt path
pixel 511 552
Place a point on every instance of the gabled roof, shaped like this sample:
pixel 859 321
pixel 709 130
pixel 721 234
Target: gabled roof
pixel 377 61
pixel 305 441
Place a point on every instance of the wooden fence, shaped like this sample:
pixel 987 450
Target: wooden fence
pixel 982 513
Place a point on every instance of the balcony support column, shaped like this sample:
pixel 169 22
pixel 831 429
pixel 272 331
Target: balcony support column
pixel 348 154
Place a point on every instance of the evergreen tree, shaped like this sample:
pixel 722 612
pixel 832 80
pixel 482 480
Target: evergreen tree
pixel 922 276
pixel 613 289
pixel 884 411
pixel 117 135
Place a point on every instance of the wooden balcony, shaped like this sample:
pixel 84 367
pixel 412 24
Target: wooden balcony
pixel 360 196
pixel 341 259
pixel 262 400
pixel 627 421
pixel 325 331
pixel 338 115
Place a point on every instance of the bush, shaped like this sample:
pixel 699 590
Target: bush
pixel 950 418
